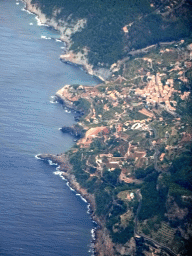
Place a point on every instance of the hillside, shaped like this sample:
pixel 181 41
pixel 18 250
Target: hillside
pixel 135 156
pixel 132 159
pixel 113 28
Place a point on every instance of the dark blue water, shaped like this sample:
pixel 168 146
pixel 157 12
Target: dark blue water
pixel 39 214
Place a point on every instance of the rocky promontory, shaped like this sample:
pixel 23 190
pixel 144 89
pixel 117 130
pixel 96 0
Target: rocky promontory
pixel 66 103
pixel 102 240
pixel 60 159
pixel 74 130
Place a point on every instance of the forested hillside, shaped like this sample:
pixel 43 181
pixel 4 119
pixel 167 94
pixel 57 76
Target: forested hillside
pixel 147 22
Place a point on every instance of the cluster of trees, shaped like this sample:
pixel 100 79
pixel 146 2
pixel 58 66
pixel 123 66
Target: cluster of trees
pixel 142 173
pixel 176 183
pixel 153 203
pixel 83 105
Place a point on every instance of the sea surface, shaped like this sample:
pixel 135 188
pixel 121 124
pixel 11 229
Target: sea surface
pixel 39 214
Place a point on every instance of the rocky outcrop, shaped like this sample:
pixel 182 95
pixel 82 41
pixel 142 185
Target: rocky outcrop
pixel 81 59
pixel 78 113
pixel 174 212
pixel 74 130
pixel 60 159
pixel 63 100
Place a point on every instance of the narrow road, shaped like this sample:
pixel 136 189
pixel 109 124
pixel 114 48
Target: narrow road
pixel 165 248
pixel 139 198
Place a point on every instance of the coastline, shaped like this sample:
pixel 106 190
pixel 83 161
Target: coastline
pixel 101 244
pixel 77 59
pixel 98 233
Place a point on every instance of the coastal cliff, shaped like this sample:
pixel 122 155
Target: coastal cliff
pixel 137 131
pixel 68 27
pixel 103 245
pixel 74 130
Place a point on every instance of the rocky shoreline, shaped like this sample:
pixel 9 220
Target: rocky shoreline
pixel 73 130
pixel 70 106
pixel 102 244
pixel 66 30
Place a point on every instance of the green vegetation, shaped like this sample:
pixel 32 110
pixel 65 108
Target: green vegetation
pixel 137 116
pixel 142 173
pixel 103 201
pixel 83 105
pixel 111 177
pixel 154 158
pixel 181 171
pixel 124 234
pixel 103 34
pixel 152 202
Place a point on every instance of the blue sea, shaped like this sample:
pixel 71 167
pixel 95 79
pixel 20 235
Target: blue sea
pixel 39 214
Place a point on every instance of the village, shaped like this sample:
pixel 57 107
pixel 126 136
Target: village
pixel 133 124
pixel 119 109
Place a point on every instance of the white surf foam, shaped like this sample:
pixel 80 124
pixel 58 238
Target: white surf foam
pixel 77 194
pixel 53 101
pixel 58 40
pixel 91 250
pixel 58 168
pixel 93 233
pixel 24 10
pixel 39 23
pixel 51 162
pixel 31 24
pixel 37 156
pixel 69 186
pixel 82 198
pixel 46 38
pixel 60 174
pixel 88 209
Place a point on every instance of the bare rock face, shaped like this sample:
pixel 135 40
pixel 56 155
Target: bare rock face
pixel 128 249
pixel 73 130
pixel 81 59
pixel 60 159
pixel 173 210
pixel 104 245
pixel 189 47
pixel 66 27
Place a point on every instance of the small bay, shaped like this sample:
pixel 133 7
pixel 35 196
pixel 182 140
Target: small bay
pixel 39 214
